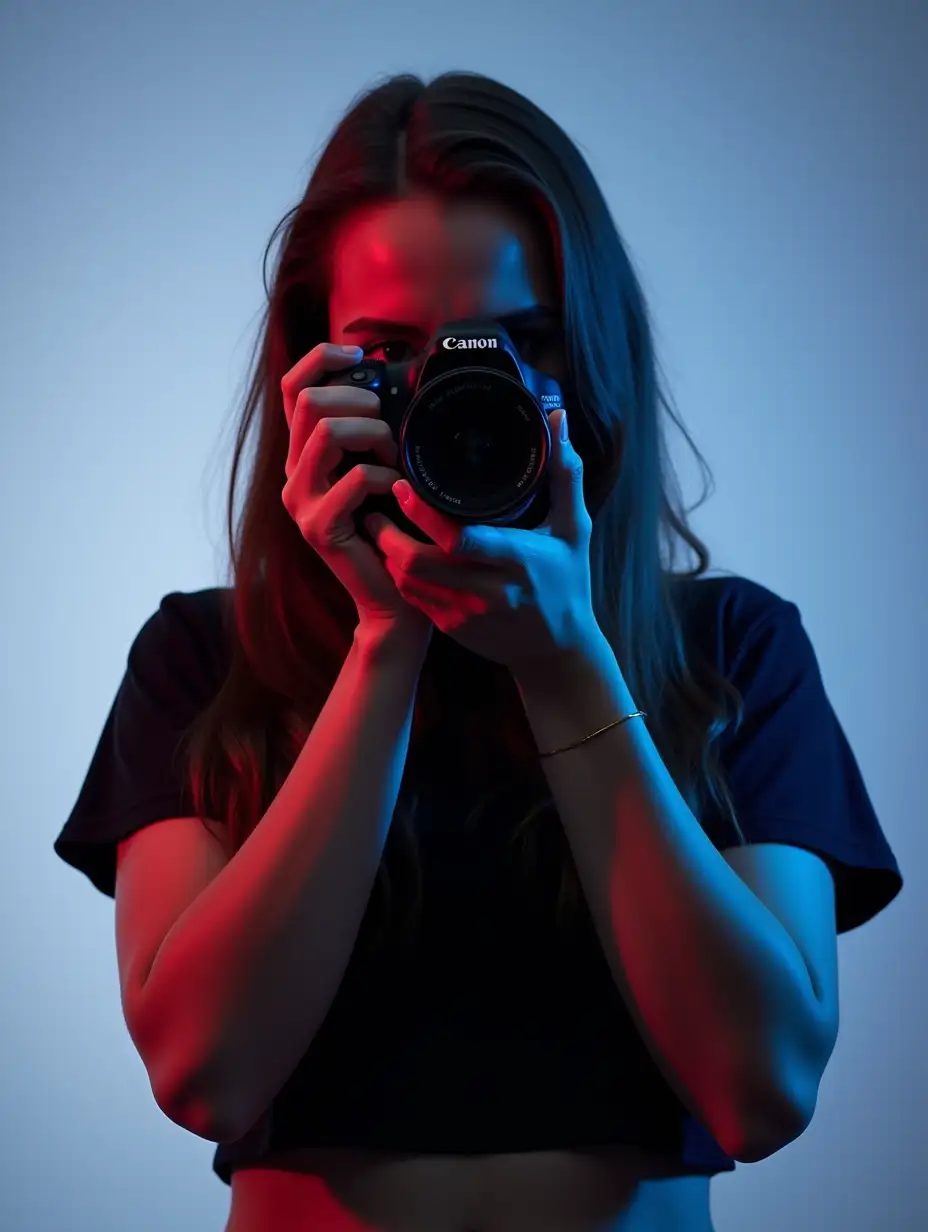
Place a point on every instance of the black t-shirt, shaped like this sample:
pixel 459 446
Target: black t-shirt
pixel 493 1031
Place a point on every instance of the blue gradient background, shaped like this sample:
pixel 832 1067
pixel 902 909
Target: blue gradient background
pixel 766 165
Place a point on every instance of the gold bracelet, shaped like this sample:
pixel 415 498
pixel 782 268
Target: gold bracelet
pixel 638 714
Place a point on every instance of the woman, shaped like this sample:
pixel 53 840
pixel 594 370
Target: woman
pixel 473 878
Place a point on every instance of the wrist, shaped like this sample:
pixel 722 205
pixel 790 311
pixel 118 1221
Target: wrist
pixel 575 693
pixel 571 670
pixel 387 641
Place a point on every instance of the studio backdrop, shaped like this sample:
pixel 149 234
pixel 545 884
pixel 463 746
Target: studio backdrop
pixel 766 166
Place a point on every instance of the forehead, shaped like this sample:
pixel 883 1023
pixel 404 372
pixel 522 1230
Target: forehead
pixel 427 260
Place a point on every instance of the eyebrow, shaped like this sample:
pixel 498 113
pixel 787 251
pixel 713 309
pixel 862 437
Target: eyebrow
pixel 537 314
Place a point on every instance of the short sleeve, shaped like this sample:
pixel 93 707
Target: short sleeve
pixel 136 775
pixel 791 772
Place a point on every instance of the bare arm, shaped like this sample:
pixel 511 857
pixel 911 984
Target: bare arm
pixel 247 973
pixel 733 988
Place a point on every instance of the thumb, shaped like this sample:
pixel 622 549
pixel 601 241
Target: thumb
pixel 568 511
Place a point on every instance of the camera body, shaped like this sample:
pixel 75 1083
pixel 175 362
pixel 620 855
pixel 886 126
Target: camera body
pixel 470 420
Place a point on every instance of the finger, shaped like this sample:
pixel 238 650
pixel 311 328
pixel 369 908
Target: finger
pixel 435 599
pixel 409 554
pixel 483 543
pixel 331 520
pixel 325 357
pixel 316 472
pixel 568 517
pixel 336 397
pixel 438 597
pixel 422 562
pixel 314 403
pixel 333 439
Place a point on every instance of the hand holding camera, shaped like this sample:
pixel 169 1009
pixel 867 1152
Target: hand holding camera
pixel 325 424
pixel 465 423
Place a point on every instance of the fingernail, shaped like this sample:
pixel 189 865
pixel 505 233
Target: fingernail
pixel 351 350
pixel 563 425
pixel 401 491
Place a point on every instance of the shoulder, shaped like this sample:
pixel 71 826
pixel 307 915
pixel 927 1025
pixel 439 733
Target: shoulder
pixel 733 602
pixel 184 644
pixel 790 771
pixel 176 664
pixel 195 616
pixel 729 618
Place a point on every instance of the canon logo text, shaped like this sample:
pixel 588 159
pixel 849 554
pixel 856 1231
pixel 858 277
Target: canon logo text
pixel 455 344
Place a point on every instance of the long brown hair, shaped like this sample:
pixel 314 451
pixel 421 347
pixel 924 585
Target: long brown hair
pixel 292 622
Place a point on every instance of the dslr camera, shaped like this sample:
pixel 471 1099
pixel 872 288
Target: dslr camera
pixel 470 420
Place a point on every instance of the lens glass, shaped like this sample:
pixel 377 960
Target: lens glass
pixel 476 442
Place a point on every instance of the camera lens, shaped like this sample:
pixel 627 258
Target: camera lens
pixel 476 442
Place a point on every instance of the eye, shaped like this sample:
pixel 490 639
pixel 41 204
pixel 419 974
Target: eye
pixel 388 345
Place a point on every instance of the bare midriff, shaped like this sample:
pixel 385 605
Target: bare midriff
pixel 610 1189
